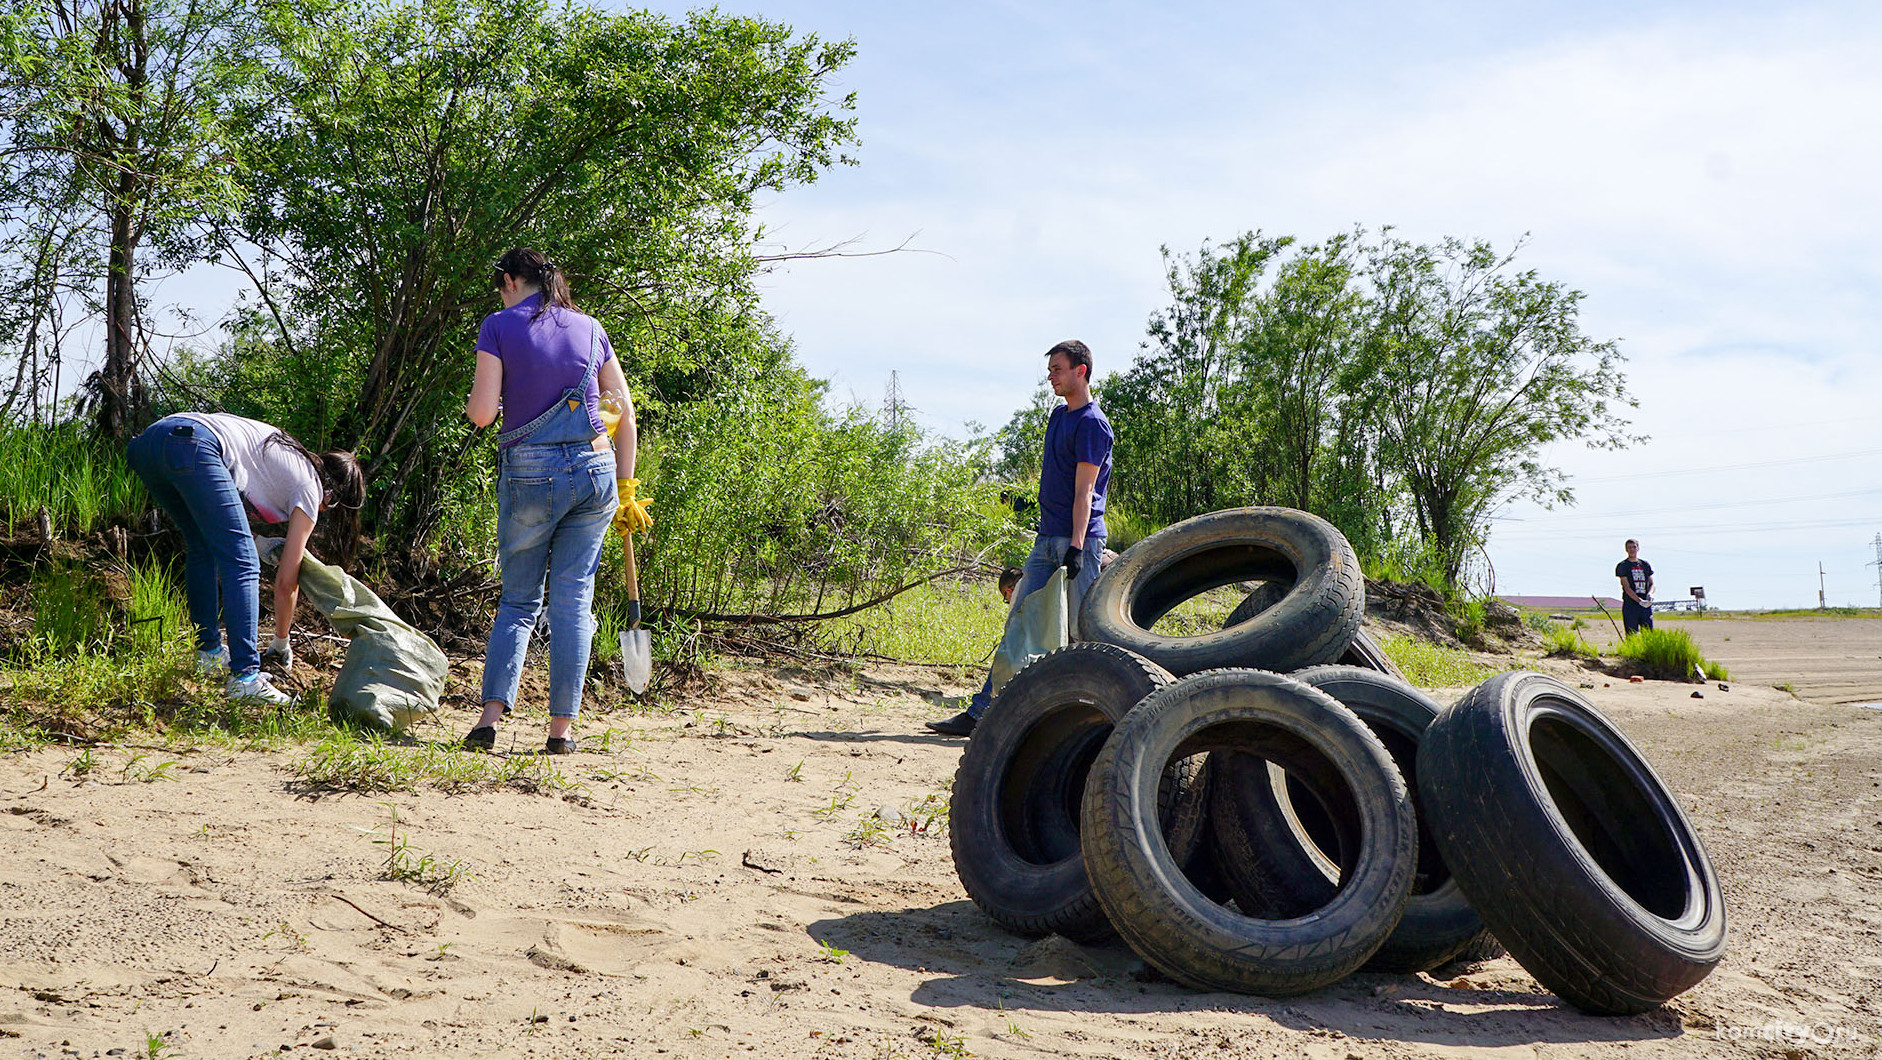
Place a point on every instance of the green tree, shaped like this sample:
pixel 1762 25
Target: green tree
pixel 1180 446
pixel 1020 444
pixel 393 151
pixel 1293 356
pixel 111 127
pixel 1470 369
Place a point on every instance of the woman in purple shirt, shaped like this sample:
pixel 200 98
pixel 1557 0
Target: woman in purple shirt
pixel 544 364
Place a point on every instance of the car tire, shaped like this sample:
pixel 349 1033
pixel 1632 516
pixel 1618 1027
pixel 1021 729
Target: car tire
pixel 1569 846
pixel 1014 815
pixel 1276 873
pixel 1313 623
pixel 1165 916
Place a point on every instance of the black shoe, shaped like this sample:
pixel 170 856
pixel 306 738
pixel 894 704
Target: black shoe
pixel 558 745
pixel 961 724
pixel 481 739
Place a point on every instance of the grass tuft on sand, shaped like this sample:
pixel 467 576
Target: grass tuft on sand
pixel 1669 655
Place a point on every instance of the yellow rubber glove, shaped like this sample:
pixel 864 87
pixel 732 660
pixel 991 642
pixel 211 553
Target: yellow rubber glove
pixel 633 515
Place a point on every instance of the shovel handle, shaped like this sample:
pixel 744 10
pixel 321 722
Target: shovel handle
pixel 631 572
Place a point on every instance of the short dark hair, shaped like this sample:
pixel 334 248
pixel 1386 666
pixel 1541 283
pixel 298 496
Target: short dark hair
pixel 1075 352
pixel 1009 578
pixel 1630 541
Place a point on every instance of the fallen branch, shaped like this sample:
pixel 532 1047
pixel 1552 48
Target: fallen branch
pixel 823 616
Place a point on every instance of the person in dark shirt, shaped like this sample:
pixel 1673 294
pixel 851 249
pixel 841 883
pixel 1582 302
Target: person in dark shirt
pixel 1073 478
pixel 1636 577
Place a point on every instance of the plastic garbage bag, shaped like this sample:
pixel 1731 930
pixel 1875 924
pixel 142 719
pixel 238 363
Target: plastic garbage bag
pixel 1037 624
pixel 393 674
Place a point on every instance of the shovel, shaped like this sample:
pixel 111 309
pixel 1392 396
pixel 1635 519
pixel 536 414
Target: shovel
pixel 636 650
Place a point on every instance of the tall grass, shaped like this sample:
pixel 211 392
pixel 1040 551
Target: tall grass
pixel 79 482
pixel 72 610
pixel 1564 641
pixel 1669 654
pixel 1430 665
pixel 949 621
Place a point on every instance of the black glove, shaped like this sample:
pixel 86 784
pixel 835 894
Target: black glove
pixel 1074 559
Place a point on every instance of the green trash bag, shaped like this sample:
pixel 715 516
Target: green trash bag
pixel 1037 624
pixel 393 674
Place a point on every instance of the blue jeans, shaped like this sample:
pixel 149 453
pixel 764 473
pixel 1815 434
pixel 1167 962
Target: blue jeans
pixel 180 463
pixel 1047 555
pixel 554 503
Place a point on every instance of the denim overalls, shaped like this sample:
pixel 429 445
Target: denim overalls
pixel 555 499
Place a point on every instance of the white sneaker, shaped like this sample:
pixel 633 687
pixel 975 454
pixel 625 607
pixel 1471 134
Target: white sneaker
pixel 211 663
pixel 258 689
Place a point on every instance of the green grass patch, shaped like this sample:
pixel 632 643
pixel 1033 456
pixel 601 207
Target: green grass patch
pixel 957 622
pixel 1563 641
pixel 60 468
pixel 1200 614
pixel 1669 655
pixel 345 761
pixel 1430 665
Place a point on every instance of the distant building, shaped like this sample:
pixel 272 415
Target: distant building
pixel 1560 603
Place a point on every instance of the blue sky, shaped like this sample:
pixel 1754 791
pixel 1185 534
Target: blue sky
pixel 1707 174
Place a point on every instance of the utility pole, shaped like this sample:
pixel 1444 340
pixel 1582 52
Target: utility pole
pixel 1877 564
pixel 1822 604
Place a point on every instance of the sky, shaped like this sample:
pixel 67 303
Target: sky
pixel 1706 173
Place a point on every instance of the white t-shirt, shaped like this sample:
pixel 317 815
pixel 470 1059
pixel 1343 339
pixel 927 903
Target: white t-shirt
pixel 273 478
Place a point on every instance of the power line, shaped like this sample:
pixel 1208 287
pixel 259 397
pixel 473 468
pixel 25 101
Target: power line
pixel 1577 533
pixel 1716 506
pixel 1730 467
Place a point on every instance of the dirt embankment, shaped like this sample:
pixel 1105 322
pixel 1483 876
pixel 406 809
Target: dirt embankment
pixel 766 872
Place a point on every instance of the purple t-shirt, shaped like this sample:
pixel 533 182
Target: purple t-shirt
pixel 1073 437
pixel 541 358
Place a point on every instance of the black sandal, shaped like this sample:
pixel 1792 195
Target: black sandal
pixel 559 745
pixel 482 738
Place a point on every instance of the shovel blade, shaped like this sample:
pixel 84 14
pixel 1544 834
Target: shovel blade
pixel 636 659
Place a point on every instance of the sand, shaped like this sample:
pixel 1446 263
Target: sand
pixel 778 884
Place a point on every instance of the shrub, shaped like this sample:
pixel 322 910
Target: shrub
pixel 1567 643
pixel 766 502
pixel 1668 654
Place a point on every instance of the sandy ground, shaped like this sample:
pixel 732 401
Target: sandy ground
pixel 1827 660
pixel 778 884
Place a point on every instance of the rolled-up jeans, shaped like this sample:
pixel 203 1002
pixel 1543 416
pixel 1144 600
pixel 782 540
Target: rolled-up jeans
pixel 554 503
pixel 180 462
pixel 1047 555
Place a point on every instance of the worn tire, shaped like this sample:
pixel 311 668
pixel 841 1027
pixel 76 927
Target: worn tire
pixel 1273 872
pixel 1312 624
pixel 1014 816
pixel 1165 916
pixel 1569 846
pixel 1364 651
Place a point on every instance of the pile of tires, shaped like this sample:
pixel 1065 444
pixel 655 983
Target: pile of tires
pixel 1253 812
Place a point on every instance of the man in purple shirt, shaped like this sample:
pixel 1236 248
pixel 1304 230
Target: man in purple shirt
pixel 1074 474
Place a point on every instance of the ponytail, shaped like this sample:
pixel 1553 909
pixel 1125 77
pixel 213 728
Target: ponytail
pixel 534 267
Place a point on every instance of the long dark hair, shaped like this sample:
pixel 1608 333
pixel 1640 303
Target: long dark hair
pixel 342 487
pixel 533 266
